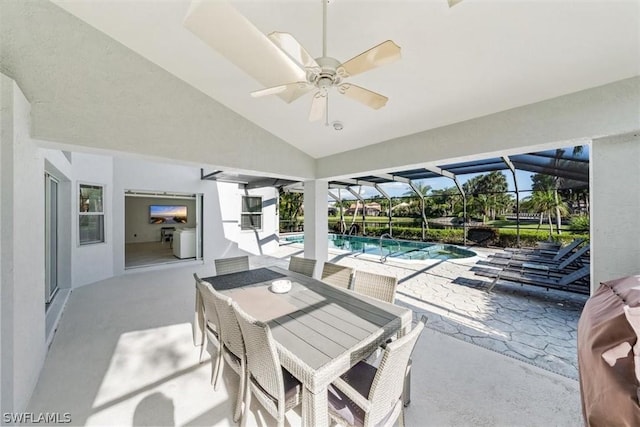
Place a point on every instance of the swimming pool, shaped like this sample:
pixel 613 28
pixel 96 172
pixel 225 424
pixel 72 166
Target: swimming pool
pixel 401 249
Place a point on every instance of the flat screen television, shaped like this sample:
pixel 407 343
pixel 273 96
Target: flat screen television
pixel 167 214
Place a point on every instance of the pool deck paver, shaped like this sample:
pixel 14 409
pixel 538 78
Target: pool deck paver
pixel 528 323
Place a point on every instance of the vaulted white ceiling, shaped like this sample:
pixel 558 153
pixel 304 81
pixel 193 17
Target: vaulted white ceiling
pixel 478 58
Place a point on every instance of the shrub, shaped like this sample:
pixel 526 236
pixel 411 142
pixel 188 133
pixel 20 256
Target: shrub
pixel 579 223
pixel 445 235
pixel 484 236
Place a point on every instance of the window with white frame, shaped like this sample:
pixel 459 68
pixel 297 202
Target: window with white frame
pixel 251 215
pixel 91 214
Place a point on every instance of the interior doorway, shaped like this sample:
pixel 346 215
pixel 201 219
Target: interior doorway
pixel 162 228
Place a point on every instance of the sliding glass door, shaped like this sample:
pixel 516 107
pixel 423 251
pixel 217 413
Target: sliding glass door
pixel 51 236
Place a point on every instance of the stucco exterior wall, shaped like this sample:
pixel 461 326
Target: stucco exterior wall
pixel 256 242
pixel 92 262
pixel 615 208
pixel 22 256
pixel 221 207
pixel 23 163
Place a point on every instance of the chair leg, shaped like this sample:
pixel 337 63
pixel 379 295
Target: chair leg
pixel 214 369
pixel 240 397
pixel 406 392
pixel 401 417
pixel 494 283
pixel 203 346
pixel 247 402
pixel 215 379
pixel 198 322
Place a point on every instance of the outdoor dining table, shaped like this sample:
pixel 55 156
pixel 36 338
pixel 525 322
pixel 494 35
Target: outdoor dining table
pixel 321 331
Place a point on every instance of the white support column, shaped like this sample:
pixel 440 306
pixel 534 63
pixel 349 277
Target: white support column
pixel 6 239
pixel 22 334
pixel 315 221
pixel 615 204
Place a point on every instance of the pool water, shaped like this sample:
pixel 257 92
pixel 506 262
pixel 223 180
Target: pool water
pixel 401 249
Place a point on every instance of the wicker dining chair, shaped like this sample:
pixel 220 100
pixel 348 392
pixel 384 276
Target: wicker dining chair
pixel 232 265
pixel 369 396
pixel 337 275
pixel 211 335
pixel 273 386
pixel 232 348
pixel 198 320
pixel 199 335
pixel 302 265
pixel 376 285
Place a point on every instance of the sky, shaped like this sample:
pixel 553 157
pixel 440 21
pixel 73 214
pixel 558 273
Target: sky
pixel 397 189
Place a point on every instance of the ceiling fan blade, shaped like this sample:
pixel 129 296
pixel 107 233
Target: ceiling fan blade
pixel 288 92
pixel 232 35
pixel 453 2
pixel 362 95
pixel 294 49
pixel 382 54
pixel 318 107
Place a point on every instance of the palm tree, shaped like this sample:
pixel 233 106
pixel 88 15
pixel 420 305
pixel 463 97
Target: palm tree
pixel 483 205
pixel 495 184
pixel 290 207
pixel 559 181
pixel 541 202
pixel 546 203
pixel 423 189
pixel 487 194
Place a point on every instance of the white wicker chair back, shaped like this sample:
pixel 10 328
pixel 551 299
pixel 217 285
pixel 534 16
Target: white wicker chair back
pixel 302 265
pixel 337 275
pixel 231 265
pixel 375 285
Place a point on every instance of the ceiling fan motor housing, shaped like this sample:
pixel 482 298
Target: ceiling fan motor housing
pixel 327 76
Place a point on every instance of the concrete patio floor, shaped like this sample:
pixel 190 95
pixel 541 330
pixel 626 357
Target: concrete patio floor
pixel 525 322
pixel 123 353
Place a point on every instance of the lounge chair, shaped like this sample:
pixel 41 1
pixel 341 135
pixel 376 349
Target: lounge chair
pixel 542 256
pixel 547 268
pixel 569 282
pixel 548 246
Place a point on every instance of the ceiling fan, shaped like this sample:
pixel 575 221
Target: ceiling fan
pixel 280 58
pixel 325 72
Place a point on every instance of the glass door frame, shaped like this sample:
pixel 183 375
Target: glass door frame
pixel 51 198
